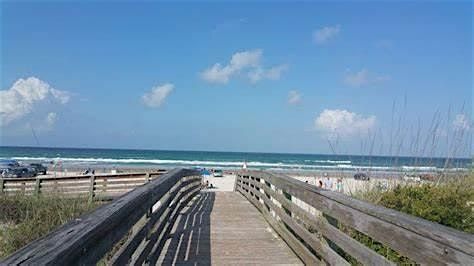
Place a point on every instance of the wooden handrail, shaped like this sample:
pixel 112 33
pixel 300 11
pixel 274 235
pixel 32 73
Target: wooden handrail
pixel 137 215
pixel 296 210
pixel 99 186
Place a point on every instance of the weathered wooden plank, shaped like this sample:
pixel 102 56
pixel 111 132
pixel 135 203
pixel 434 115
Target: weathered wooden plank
pixel 124 254
pixel 87 239
pixel 300 250
pixel 163 227
pixel 449 246
pixel 85 177
pixel 322 249
pixel 223 228
pixel 354 248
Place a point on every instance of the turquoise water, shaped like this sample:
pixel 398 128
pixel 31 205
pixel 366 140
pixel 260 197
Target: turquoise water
pixel 280 161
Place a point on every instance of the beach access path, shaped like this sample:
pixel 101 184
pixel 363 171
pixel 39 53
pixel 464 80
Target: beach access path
pixel 224 228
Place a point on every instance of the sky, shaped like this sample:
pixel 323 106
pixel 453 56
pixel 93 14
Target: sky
pixel 308 77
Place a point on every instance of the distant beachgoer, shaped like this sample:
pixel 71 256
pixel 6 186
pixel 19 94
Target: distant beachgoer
pixel 93 171
pixel 328 183
pixel 320 184
pixel 339 187
pixel 245 165
pixel 207 183
pixel 306 181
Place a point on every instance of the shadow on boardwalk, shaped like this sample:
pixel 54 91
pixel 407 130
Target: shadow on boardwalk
pixel 189 242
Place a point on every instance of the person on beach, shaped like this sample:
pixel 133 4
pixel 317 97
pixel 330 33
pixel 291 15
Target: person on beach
pixel 320 184
pixel 339 185
pixel 328 183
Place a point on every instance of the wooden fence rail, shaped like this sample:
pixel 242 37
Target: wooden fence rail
pixel 309 218
pixel 100 186
pixel 121 232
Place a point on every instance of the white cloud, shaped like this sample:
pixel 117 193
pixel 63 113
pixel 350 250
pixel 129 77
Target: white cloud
pixel 273 73
pixel 51 119
pixel 343 123
pixel 24 95
pixel 239 61
pixel 461 122
pixel 157 96
pixel 294 97
pixel 62 96
pixel 322 35
pixel 246 61
pixel 363 77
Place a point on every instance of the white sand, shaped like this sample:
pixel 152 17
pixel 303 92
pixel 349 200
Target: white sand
pixel 225 183
pixel 351 186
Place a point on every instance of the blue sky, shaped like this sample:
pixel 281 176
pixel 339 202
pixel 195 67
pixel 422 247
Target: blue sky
pixel 291 77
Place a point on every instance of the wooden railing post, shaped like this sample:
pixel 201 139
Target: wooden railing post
pixel 91 188
pixel 104 185
pixel 2 185
pixel 37 186
pixel 236 180
pixel 147 177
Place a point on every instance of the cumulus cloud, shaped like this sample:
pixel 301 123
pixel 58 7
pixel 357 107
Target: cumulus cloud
pixel 294 97
pixel 273 73
pixel 461 122
pixel 25 95
pixel 157 96
pixel 246 61
pixel 343 123
pixel 363 78
pixel 324 34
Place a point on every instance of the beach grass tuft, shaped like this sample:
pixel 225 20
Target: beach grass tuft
pixel 25 218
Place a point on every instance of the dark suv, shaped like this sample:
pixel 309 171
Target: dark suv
pixel 39 168
pixel 361 176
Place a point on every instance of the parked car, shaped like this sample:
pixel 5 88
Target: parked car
pixel 10 168
pixel 40 169
pixel 218 173
pixel 28 171
pixel 361 176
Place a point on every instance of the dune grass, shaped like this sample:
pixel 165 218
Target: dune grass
pixel 450 203
pixel 24 218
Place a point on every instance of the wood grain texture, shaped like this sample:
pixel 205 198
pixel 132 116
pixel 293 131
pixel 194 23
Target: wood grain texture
pixel 223 228
pixel 421 240
pixel 87 239
pixel 115 184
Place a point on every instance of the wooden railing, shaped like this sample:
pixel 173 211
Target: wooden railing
pixel 124 231
pixel 100 186
pixel 316 224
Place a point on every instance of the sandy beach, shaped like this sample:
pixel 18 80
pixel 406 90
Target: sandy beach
pixel 347 184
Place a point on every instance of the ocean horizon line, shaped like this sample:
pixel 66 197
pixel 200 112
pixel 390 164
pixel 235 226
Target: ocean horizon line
pixel 239 152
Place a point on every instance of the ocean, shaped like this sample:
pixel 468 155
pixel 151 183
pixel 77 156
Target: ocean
pixel 79 157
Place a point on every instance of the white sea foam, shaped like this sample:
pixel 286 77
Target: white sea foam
pixel 332 165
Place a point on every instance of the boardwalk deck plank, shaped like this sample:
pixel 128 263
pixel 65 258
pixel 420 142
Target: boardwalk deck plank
pixel 223 228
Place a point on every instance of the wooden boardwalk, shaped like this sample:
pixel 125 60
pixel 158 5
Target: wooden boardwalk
pixel 223 228
pixel 171 220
